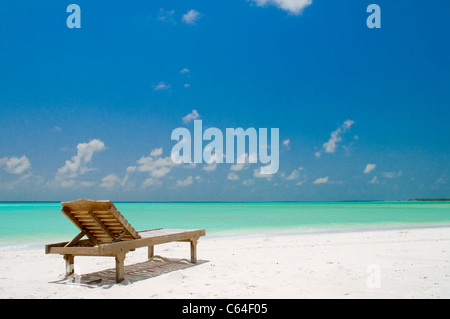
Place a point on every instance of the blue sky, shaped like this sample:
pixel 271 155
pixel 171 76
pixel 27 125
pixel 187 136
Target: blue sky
pixel 363 113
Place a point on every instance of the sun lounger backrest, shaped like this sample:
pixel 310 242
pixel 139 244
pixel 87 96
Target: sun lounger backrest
pixel 100 220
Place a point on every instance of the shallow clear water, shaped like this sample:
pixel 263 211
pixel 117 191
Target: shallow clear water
pixel 37 223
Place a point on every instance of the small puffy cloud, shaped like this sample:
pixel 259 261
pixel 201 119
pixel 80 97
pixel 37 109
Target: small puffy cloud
pixel 292 6
pixel 287 143
pixel 347 124
pixel 210 167
pixel 233 177
pixel 166 15
pixel 161 86
pixel 78 164
pixel 184 71
pixel 369 168
pixel 294 175
pixel 156 152
pixel 237 167
pixel 374 180
pixel 67 175
pixel 392 174
pixel 150 182
pixel 188 181
pixel 336 136
pixel 191 17
pixel 156 166
pixel 110 181
pixel 248 182
pixel 186 85
pixel 191 116
pixel 321 180
pixel 15 165
pixel 160 172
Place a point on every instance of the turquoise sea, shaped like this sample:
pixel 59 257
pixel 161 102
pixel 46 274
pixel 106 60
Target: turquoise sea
pixel 35 224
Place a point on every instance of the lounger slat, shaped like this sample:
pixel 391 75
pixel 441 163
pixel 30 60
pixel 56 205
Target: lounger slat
pixel 124 222
pixel 66 211
pixel 101 219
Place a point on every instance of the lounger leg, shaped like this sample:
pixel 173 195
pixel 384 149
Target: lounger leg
pixel 70 262
pixel 194 251
pixel 151 251
pixel 120 268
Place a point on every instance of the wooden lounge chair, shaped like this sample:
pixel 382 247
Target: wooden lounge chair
pixel 109 234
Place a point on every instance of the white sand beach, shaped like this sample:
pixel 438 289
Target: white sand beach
pixel 411 263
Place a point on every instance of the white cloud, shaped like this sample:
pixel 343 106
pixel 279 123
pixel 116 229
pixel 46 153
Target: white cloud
pixel 188 181
pixel 292 6
pixel 160 172
pixel 186 85
pixel 374 180
pixel 15 165
pixel 347 124
pixel 110 181
pixel 166 15
pixel 130 170
pixel 287 143
pixel 87 184
pixel 67 175
pixel 392 174
pixel 294 175
pixel 184 71
pixel 191 116
pixel 210 167
pixel 24 179
pixel 336 136
pixel 321 180
pixel 191 16
pixel 369 168
pixel 248 182
pixel 156 152
pixel 162 86
pixel 156 166
pixel 233 176
pixel 78 164
pixel 149 182
pixel 237 167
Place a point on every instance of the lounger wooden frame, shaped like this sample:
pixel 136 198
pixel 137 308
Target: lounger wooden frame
pixel 109 234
